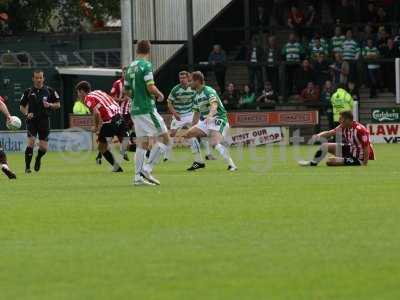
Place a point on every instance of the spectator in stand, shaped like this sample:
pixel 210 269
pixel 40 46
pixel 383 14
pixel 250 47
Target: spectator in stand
pixel 326 96
pixel 345 13
pixel 296 20
pixel 311 19
pixel 303 76
pixel 389 51
pixel 268 95
pixel 337 41
pixel 217 60
pixel 311 94
pixel 397 37
pixel 254 57
pixel 340 70
pixel 248 98
pixel 351 53
pixel 382 16
pixel 317 49
pixel 352 89
pixel 367 34
pixel 317 37
pixel 231 97
pixel 321 69
pixel 382 36
pixel 261 18
pixel 272 57
pixel 341 100
pixel 371 52
pixel 370 15
pixel 292 53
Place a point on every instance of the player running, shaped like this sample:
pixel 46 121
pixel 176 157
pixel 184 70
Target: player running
pixel 353 146
pixel 119 95
pixel 3 158
pixel 148 123
pixel 108 121
pixel 210 119
pixel 36 104
pixel 180 104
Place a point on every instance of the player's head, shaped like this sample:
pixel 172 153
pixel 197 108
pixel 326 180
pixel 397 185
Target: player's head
pixel 346 118
pixel 197 80
pixel 82 89
pixel 143 48
pixel 123 72
pixel 184 78
pixel 38 78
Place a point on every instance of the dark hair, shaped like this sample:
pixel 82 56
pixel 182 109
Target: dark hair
pixel 83 86
pixel 143 47
pixel 37 72
pixel 347 115
pixel 198 76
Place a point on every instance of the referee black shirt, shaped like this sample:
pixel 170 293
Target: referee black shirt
pixel 34 98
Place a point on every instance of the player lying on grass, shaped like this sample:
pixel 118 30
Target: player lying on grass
pixel 108 121
pixel 353 146
pixel 210 120
pixel 3 158
pixel 180 104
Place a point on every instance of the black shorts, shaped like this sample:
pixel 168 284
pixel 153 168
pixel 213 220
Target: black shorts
pixel 116 127
pixel 349 159
pixel 128 122
pixel 38 128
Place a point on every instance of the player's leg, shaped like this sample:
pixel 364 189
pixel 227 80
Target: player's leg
pixel 142 146
pixel 124 139
pixel 206 144
pixel 172 134
pixel 108 131
pixel 193 134
pixel 32 131
pixel 217 138
pixel 4 165
pixel 348 161
pixel 321 153
pixel 43 133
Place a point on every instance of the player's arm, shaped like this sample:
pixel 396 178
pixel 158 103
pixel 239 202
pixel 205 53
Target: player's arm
pixel 172 110
pixel 4 110
pixel 155 92
pixel 96 120
pixel 213 109
pixel 196 118
pixel 54 100
pixel 325 134
pixel 24 105
pixel 366 155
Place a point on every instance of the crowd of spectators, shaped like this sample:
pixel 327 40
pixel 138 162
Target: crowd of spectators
pixel 313 62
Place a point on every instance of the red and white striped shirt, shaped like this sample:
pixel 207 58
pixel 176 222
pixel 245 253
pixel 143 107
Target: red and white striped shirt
pixel 2 99
pixel 358 138
pixel 104 103
pixel 117 92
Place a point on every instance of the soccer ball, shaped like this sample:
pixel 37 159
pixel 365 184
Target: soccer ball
pixel 14 124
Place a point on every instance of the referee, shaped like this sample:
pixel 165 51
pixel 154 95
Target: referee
pixel 36 104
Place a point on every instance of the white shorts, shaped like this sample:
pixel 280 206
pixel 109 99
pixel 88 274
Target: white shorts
pixel 151 124
pixel 186 121
pixel 214 125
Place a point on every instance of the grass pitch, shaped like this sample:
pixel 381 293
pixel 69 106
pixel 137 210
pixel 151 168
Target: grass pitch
pixel 272 230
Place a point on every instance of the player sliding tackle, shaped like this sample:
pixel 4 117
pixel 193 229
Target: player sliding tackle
pixel 210 119
pixel 3 158
pixel 353 146
pixel 180 104
pixel 139 83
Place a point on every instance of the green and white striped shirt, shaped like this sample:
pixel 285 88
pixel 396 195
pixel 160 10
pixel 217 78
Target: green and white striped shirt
pixel 373 52
pixel 314 51
pixel 292 52
pixel 337 43
pixel 351 51
pixel 182 99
